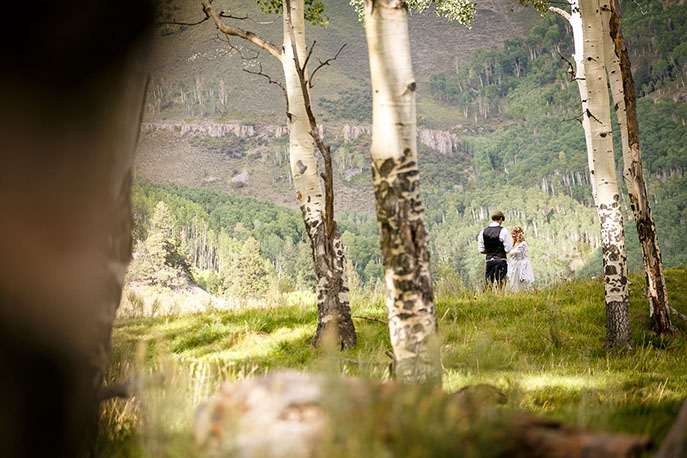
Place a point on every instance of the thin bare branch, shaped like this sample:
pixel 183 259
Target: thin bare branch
pixel 244 18
pixel 575 118
pixel 222 14
pixel 271 81
pixel 563 13
pixel 322 64
pixel 571 68
pixel 235 48
pixel 589 113
pixel 238 32
pixel 678 314
pixel 175 22
pixel 307 57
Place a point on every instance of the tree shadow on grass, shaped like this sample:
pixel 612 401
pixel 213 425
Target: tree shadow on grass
pixel 198 336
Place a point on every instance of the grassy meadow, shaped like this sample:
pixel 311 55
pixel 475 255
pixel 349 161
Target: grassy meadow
pixel 543 348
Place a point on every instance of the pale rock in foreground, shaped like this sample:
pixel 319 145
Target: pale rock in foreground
pixel 278 416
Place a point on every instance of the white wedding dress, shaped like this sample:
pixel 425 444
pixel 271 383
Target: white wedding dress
pixel 520 272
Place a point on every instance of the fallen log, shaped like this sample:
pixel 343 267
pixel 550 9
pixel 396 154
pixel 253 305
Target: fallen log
pixel 293 414
pixel 536 438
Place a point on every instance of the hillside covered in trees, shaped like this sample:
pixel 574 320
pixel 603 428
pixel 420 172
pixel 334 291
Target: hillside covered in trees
pixel 509 139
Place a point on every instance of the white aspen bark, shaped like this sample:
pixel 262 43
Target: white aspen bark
pixel 304 168
pixel 618 332
pixel 624 102
pixel 403 236
pixel 576 24
pixel 328 256
pixel 334 317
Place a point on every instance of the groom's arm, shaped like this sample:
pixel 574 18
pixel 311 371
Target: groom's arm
pixel 506 239
pixel 480 242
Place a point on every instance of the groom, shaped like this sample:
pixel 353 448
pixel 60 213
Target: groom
pixel 495 241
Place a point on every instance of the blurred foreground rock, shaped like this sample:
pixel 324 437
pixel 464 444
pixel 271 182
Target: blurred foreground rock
pixel 279 415
pixel 294 414
pixel 675 444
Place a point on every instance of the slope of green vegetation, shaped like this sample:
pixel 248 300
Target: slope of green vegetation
pixel 212 228
pixel 543 348
pixel 537 144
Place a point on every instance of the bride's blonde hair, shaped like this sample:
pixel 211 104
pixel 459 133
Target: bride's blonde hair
pixel 518 234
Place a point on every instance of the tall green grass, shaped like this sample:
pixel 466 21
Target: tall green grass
pixel 543 348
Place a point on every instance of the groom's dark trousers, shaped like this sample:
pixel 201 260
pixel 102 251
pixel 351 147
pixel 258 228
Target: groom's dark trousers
pixel 496 271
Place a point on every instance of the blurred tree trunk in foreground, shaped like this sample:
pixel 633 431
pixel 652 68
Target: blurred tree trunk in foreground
pixel 72 96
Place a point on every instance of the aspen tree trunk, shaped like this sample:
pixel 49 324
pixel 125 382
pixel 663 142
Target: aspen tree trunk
pixel 334 315
pixel 625 103
pixel 576 24
pixel 333 310
pixel 618 332
pixel 403 236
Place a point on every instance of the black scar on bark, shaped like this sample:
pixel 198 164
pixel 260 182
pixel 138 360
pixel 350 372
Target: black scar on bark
pixel 611 270
pixel 301 167
pixel 616 197
pixel 387 167
pixel 404 285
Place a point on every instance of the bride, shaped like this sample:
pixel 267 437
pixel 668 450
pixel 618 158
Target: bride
pixel 520 272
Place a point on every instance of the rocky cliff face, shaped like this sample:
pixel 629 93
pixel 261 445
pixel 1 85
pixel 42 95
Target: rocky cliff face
pixel 441 141
pixel 213 129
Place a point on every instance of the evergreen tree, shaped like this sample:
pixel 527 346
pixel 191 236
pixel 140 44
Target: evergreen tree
pixel 162 259
pixel 250 276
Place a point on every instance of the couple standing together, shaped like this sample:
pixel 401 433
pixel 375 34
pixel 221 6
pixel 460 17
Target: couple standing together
pixel 496 242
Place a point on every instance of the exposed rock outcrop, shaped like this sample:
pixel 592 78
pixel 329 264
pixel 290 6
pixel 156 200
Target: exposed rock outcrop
pixel 441 141
pixel 241 178
pixel 352 132
pixel 211 129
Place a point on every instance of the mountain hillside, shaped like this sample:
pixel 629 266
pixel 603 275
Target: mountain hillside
pixel 497 119
pixel 193 59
